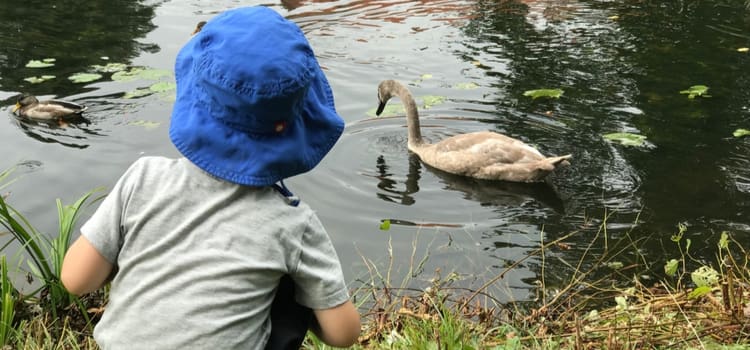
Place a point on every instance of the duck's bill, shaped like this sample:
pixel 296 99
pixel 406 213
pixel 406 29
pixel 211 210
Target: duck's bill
pixel 16 107
pixel 381 106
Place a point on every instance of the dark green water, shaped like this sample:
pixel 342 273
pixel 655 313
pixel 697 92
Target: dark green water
pixel 621 65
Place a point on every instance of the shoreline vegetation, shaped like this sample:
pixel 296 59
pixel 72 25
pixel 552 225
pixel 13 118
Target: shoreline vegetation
pixel 695 305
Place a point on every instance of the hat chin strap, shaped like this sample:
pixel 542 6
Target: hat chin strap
pixel 290 198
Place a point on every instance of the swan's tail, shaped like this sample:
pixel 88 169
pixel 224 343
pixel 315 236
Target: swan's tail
pixel 559 161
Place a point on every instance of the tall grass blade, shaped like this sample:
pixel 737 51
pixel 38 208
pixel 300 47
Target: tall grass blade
pixel 7 309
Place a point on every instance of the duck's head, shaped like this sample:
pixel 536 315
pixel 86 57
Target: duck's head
pixel 24 100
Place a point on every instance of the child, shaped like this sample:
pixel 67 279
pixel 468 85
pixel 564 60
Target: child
pixel 198 245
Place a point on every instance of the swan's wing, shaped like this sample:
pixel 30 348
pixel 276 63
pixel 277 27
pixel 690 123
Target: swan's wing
pixel 487 148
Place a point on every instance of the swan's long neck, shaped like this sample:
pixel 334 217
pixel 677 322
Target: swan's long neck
pixel 412 115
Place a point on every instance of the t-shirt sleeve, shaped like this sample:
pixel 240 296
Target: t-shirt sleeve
pixel 318 276
pixel 104 228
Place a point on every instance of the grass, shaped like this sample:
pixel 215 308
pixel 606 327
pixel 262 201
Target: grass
pixel 694 306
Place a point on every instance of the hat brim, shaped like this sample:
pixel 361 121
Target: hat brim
pixel 254 159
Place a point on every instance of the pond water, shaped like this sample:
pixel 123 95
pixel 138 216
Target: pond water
pixel 621 65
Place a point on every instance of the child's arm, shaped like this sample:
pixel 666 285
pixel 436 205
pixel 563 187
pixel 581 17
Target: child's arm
pixel 84 269
pixel 339 325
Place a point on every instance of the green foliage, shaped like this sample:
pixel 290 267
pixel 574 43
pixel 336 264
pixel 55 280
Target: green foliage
pixel 696 90
pixel 741 133
pixel 7 308
pixel 670 268
pixel 466 86
pixel 551 93
pixel 705 276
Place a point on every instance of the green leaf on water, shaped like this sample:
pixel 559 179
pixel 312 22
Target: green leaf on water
pixel 145 124
pixel 626 139
pixel 696 90
pixel 43 63
pixel 670 268
pixel 140 92
pixel 430 101
pixel 163 86
pixel 385 225
pixel 551 93
pixel 111 67
pixel 425 76
pixel 40 79
pixel 466 86
pixel 741 133
pixel 140 73
pixel 84 77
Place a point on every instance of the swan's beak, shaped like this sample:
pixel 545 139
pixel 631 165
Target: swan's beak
pixel 381 106
pixel 16 107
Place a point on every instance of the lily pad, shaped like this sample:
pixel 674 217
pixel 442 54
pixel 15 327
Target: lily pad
pixel 743 49
pixel 145 124
pixel 696 90
pixel 140 73
pixel 40 79
pixel 466 86
pixel 626 139
pixel 110 67
pixel 551 93
pixel 84 77
pixel 741 133
pixel 430 101
pixel 140 92
pixel 163 86
pixel 43 63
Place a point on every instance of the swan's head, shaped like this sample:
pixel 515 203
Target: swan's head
pixel 386 90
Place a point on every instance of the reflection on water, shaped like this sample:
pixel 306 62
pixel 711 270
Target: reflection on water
pixel 621 66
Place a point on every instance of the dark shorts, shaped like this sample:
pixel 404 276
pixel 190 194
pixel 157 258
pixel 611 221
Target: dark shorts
pixel 289 320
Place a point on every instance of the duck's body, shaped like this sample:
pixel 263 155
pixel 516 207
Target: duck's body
pixel 30 107
pixel 483 155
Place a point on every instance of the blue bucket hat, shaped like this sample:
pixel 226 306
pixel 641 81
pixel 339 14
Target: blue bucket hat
pixel 253 106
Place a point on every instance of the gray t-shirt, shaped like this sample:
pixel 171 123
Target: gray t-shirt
pixel 199 259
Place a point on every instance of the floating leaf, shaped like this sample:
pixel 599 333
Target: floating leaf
pixel 40 79
pixel 137 73
pixel 163 86
pixel 466 86
pixel 84 77
pixel 425 76
pixel 705 276
pixel 385 225
pixel 145 123
pixel 137 93
pixel 430 101
pixel 696 90
pixel 626 139
pixel 44 63
pixel 670 268
pixel 552 93
pixel 110 67
pixel 741 133
pixel 743 49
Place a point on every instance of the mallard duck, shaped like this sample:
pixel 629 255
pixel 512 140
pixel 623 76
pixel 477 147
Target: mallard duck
pixel 482 155
pixel 198 27
pixel 28 106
